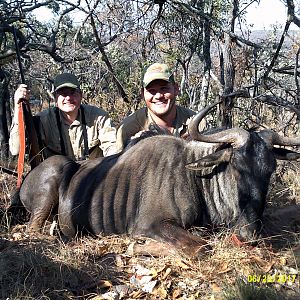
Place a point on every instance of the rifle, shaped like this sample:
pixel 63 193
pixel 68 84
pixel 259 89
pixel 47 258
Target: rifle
pixel 25 122
pixel 8 171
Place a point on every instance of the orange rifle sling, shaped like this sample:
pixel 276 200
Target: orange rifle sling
pixel 21 157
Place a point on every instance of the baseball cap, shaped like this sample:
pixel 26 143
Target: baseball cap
pixel 66 80
pixel 158 71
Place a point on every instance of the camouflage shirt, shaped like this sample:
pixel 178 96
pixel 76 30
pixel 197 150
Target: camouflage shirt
pixel 101 134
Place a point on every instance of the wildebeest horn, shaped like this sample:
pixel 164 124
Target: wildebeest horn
pixel 235 136
pixel 273 138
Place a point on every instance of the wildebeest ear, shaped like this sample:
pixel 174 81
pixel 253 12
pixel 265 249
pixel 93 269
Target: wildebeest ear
pixel 285 154
pixel 211 160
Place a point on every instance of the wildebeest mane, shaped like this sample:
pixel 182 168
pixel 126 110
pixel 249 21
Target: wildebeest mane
pixel 154 129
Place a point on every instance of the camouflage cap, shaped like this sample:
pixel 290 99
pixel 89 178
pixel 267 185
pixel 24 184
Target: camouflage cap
pixel 157 71
pixel 66 80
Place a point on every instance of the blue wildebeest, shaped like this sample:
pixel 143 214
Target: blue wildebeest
pixel 161 186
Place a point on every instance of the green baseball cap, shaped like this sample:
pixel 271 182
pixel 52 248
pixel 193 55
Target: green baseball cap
pixel 66 80
pixel 158 71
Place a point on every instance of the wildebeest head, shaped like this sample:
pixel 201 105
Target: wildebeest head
pixel 251 156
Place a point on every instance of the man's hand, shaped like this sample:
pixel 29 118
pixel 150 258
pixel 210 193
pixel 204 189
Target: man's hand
pixel 21 94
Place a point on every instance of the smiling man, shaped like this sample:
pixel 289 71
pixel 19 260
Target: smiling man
pixel 70 128
pixel 159 92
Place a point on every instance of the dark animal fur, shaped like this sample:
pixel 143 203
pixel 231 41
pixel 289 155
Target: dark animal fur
pixel 147 190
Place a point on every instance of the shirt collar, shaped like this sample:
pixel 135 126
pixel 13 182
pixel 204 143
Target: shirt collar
pixel 179 123
pixel 76 122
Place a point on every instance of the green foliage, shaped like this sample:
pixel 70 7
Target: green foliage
pixel 248 291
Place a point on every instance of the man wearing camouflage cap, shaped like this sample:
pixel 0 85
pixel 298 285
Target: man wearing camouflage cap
pixel 159 92
pixel 71 128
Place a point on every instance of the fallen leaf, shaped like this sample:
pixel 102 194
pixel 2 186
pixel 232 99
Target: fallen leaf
pixel 182 264
pixel 161 292
pixel 224 268
pixel 145 279
pixel 267 268
pixel 264 265
pixel 137 294
pixel 166 274
pixel 161 269
pixel 235 240
pixel 141 271
pixel 197 294
pixel 104 284
pixel 153 273
pixel 258 260
pixel 122 289
pixel 148 287
pixel 215 288
pixel 282 261
pixel 176 293
pixel 134 281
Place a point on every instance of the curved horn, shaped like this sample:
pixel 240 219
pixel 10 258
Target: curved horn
pixel 235 136
pixel 273 138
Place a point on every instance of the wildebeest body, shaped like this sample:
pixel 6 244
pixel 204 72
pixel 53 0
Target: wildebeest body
pixel 160 187
pixel 145 188
pixel 139 189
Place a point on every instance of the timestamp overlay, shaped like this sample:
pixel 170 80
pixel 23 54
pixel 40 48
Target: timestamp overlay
pixel 276 278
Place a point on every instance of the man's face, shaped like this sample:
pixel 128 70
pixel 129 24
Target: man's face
pixel 68 99
pixel 160 97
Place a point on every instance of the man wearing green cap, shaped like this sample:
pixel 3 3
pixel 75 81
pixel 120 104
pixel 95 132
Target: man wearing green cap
pixel 159 92
pixel 71 128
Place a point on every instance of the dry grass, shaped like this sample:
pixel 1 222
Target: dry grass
pixel 285 187
pixel 45 267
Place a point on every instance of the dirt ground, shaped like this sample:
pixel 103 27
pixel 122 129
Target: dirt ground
pixel 47 267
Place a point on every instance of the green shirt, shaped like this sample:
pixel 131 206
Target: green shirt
pixel 140 121
pixel 101 134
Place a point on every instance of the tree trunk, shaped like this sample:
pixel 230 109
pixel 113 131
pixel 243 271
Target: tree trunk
pixel 228 70
pixel 4 113
pixel 229 76
pixel 207 65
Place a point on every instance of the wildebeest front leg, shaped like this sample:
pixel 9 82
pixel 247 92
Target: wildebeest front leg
pixel 39 192
pixel 38 218
pixel 171 233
